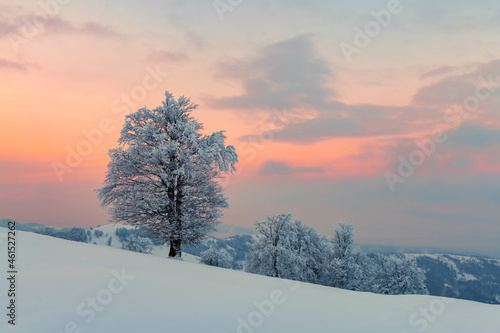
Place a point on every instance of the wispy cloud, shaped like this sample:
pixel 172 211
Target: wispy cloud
pixel 60 25
pixel 15 18
pixel 178 56
pixel 454 89
pixel 11 65
pixel 475 136
pixel 271 167
pixel 289 73
pixel 438 72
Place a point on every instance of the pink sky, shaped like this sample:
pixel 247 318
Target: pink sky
pixel 316 132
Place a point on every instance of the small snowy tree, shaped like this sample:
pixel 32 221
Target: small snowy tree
pixel 163 177
pixel 398 276
pixel 307 251
pixel 138 244
pixel 347 264
pixel 217 258
pixel 287 250
pixel 267 252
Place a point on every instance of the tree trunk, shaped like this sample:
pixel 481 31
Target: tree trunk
pixel 275 263
pixel 175 245
pixel 175 248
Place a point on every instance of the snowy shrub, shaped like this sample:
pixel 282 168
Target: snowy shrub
pixel 347 266
pixel 287 250
pixel 217 258
pixel 138 244
pixel 398 276
pixel 124 233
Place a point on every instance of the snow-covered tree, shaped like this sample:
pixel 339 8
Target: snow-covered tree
pixel 138 244
pixel 398 276
pixel 217 258
pixel 347 264
pixel 287 249
pixel 163 178
pixel 268 251
pixel 307 249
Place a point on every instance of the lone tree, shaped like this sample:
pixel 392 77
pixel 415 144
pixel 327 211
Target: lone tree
pixel 163 177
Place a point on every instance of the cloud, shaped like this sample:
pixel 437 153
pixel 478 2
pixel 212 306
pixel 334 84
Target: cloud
pixel 318 129
pixel 461 162
pixel 287 74
pixel 455 89
pixel 97 29
pixel 271 167
pixel 196 40
pixel 10 65
pixel 6 28
pixel 58 25
pixel 474 136
pixel 363 120
pixel 292 74
pixel 169 56
pixel 16 18
pixel 471 148
pixel 437 72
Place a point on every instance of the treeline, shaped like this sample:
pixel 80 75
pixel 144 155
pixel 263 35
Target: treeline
pixel 74 234
pixel 291 250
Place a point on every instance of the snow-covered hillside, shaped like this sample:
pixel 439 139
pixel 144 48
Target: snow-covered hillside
pixel 109 231
pixel 66 286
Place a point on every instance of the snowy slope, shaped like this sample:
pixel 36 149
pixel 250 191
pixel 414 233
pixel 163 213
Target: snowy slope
pixel 109 230
pixel 67 286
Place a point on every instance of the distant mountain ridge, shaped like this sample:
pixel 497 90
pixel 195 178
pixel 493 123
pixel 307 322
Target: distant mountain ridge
pixel 467 277
pixel 228 230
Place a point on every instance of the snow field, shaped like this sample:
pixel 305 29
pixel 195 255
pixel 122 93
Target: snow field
pixel 70 287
